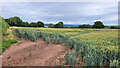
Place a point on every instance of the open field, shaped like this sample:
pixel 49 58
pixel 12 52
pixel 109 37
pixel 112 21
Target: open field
pixel 90 47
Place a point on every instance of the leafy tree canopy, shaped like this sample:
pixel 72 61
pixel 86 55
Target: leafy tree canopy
pixel 40 24
pixel 59 25
pixel 14 21
pixel 51 25
pixel 33 24
pixel 98 24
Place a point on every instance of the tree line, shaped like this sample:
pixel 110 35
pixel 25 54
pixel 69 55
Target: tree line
pixel 16 21
pixel 98 24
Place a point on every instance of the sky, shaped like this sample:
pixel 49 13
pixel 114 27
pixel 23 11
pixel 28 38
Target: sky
pixel 67 12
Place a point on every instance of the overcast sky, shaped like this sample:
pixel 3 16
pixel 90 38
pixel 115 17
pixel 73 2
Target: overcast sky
pixel 68 12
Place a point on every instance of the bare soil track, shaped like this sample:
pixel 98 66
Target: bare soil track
pixel 42 54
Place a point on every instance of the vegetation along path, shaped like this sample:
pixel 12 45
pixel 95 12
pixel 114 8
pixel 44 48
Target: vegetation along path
pixel 28 53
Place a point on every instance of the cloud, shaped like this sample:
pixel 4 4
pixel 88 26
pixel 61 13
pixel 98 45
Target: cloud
pixel 68 12
pixel 112 18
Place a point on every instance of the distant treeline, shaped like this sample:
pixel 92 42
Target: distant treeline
pixel 91 26
pixel 16 21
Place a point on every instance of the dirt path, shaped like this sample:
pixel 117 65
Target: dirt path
pixel 42 54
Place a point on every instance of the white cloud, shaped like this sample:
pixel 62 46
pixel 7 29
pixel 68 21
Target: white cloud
pixel 69 12
pixel 100 8
pixel 112 17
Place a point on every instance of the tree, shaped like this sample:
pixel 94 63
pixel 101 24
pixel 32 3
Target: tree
pixel 98 24
pixel 9 22
pixel 40 24
pixel 59 25
pixel 85 26
pixel 14 21
pixel 51 25
pixel 113 27
pixel 24 24
pixel 33 24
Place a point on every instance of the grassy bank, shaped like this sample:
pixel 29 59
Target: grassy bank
pixel 7 37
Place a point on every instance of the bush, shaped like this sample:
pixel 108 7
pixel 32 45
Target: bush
pixel 5 26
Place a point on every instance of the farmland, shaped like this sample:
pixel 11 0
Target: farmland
pixel 95 47
pixel 59 34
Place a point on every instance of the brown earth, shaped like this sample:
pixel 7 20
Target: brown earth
pixel 42 54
